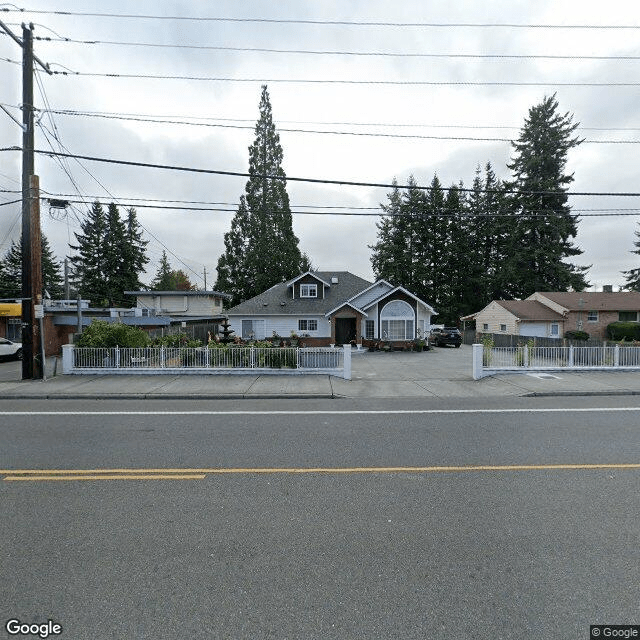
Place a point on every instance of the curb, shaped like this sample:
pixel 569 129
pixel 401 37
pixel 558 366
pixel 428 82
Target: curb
pixel 166 396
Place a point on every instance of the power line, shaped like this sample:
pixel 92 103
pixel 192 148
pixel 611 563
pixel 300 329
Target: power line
pixel 370 134
pixel 336 81
pixel 376 212
pixel 357 23
pixel 351 183
pixel 187 119
pixel 321 52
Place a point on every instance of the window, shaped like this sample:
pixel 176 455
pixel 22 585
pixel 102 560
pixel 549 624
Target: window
pixel 307 325
pixel 308 290
pixel 14 329
pixel 555 329
pixel 398 321
pixel 369 326
pixel 628 316
pixel 485 327
pixel 592 316
pixel 503 327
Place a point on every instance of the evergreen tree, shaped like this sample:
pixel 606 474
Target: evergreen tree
pixel 391 255
pixel 545 227
pixel 134 254
pixel 88 263
pixel 261 248
pixel 110 255
pixel 168 279
pixel 633 275
pixel 11 271
pixel 162 280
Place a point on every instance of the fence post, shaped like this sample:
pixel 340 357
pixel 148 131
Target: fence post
pixel 571 355
pixel 347 362
pixel 477 351
pixel 616 356
pixel 162 358
pixel 252 358
pixel 297 357
pixel 525 357
pixel 206 356
pixel 117 357
pixel 67 358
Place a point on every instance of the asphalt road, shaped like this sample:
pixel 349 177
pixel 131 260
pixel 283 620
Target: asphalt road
pixel 456 520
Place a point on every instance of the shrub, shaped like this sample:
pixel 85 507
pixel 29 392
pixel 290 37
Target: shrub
pixel 101 333
pixel 576 335
pixel 176 340
pixel 623 331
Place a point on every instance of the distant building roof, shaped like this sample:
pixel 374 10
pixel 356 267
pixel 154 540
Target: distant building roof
pixel 595 300
pixel 219 294
pixel 529 310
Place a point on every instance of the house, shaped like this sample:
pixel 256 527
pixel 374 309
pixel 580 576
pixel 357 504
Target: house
pixel 181 304
pixel 333 307
pixel 552 313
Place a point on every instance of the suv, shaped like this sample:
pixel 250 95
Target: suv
pixel 448 335
pixel 10 350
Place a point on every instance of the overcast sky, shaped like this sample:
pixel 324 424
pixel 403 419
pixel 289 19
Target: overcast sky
pixel 194 239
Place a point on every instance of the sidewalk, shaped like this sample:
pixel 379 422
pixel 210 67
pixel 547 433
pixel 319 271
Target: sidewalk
pixel 440 373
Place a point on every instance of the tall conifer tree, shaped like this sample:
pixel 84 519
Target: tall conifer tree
pixel 261 248
pixel 545 228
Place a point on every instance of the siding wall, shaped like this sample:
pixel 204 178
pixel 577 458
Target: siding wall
pixel 495 315
pixel 183 305
pixel 283 325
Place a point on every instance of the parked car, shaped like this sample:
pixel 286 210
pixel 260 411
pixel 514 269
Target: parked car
pixel 446 336
pixel 10 350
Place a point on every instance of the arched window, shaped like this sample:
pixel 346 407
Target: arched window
pixel 397 321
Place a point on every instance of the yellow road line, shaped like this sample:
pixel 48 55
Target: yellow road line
pixel 188 474
pixel 147 476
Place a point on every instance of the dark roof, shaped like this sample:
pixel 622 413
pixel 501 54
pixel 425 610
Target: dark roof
pixel 530 310
pixel 138 321
pixel 270 302
pixel 219 294
pixel 595 300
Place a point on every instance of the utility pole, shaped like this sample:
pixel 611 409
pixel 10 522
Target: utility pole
pixel 32 363
pixel 29 256
pixel 205 278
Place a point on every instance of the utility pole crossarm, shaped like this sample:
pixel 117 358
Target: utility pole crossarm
pixel 12 35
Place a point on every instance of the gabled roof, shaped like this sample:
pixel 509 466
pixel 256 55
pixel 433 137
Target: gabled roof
pixel 278 301
pixel 530 310
pixel 386 294
pixel 218 294
pixel 345 304
pixel 307 273
pixel 595 300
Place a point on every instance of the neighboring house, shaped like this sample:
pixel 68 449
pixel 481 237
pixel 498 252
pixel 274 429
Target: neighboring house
pixel 333 307
pixel 519 318
pixel 181 304
pixel 552 314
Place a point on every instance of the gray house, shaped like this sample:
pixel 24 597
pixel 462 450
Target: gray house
pixel 333 307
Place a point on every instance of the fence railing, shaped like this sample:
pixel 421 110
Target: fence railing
pixel 490 360
pixel 176 360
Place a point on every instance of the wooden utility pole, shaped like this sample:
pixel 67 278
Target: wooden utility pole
pixel 30 257
pixel 32 364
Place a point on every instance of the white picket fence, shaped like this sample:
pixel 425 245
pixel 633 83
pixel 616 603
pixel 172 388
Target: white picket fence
pixel 202 360
pixel 490 360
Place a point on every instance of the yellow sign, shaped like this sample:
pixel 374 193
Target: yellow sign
pixel 10 309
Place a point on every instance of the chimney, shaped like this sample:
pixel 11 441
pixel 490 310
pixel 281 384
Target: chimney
pixel 607 288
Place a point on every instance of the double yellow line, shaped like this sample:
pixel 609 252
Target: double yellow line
pixel 35 475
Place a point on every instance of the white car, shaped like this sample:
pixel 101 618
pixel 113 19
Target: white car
pixel 10 350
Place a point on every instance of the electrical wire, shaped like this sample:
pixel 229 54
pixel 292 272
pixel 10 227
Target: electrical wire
pixel 318 52
pixel 336 81
pixel 356 23
pixel 352 183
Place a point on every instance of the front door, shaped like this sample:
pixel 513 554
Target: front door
pixel 345 330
